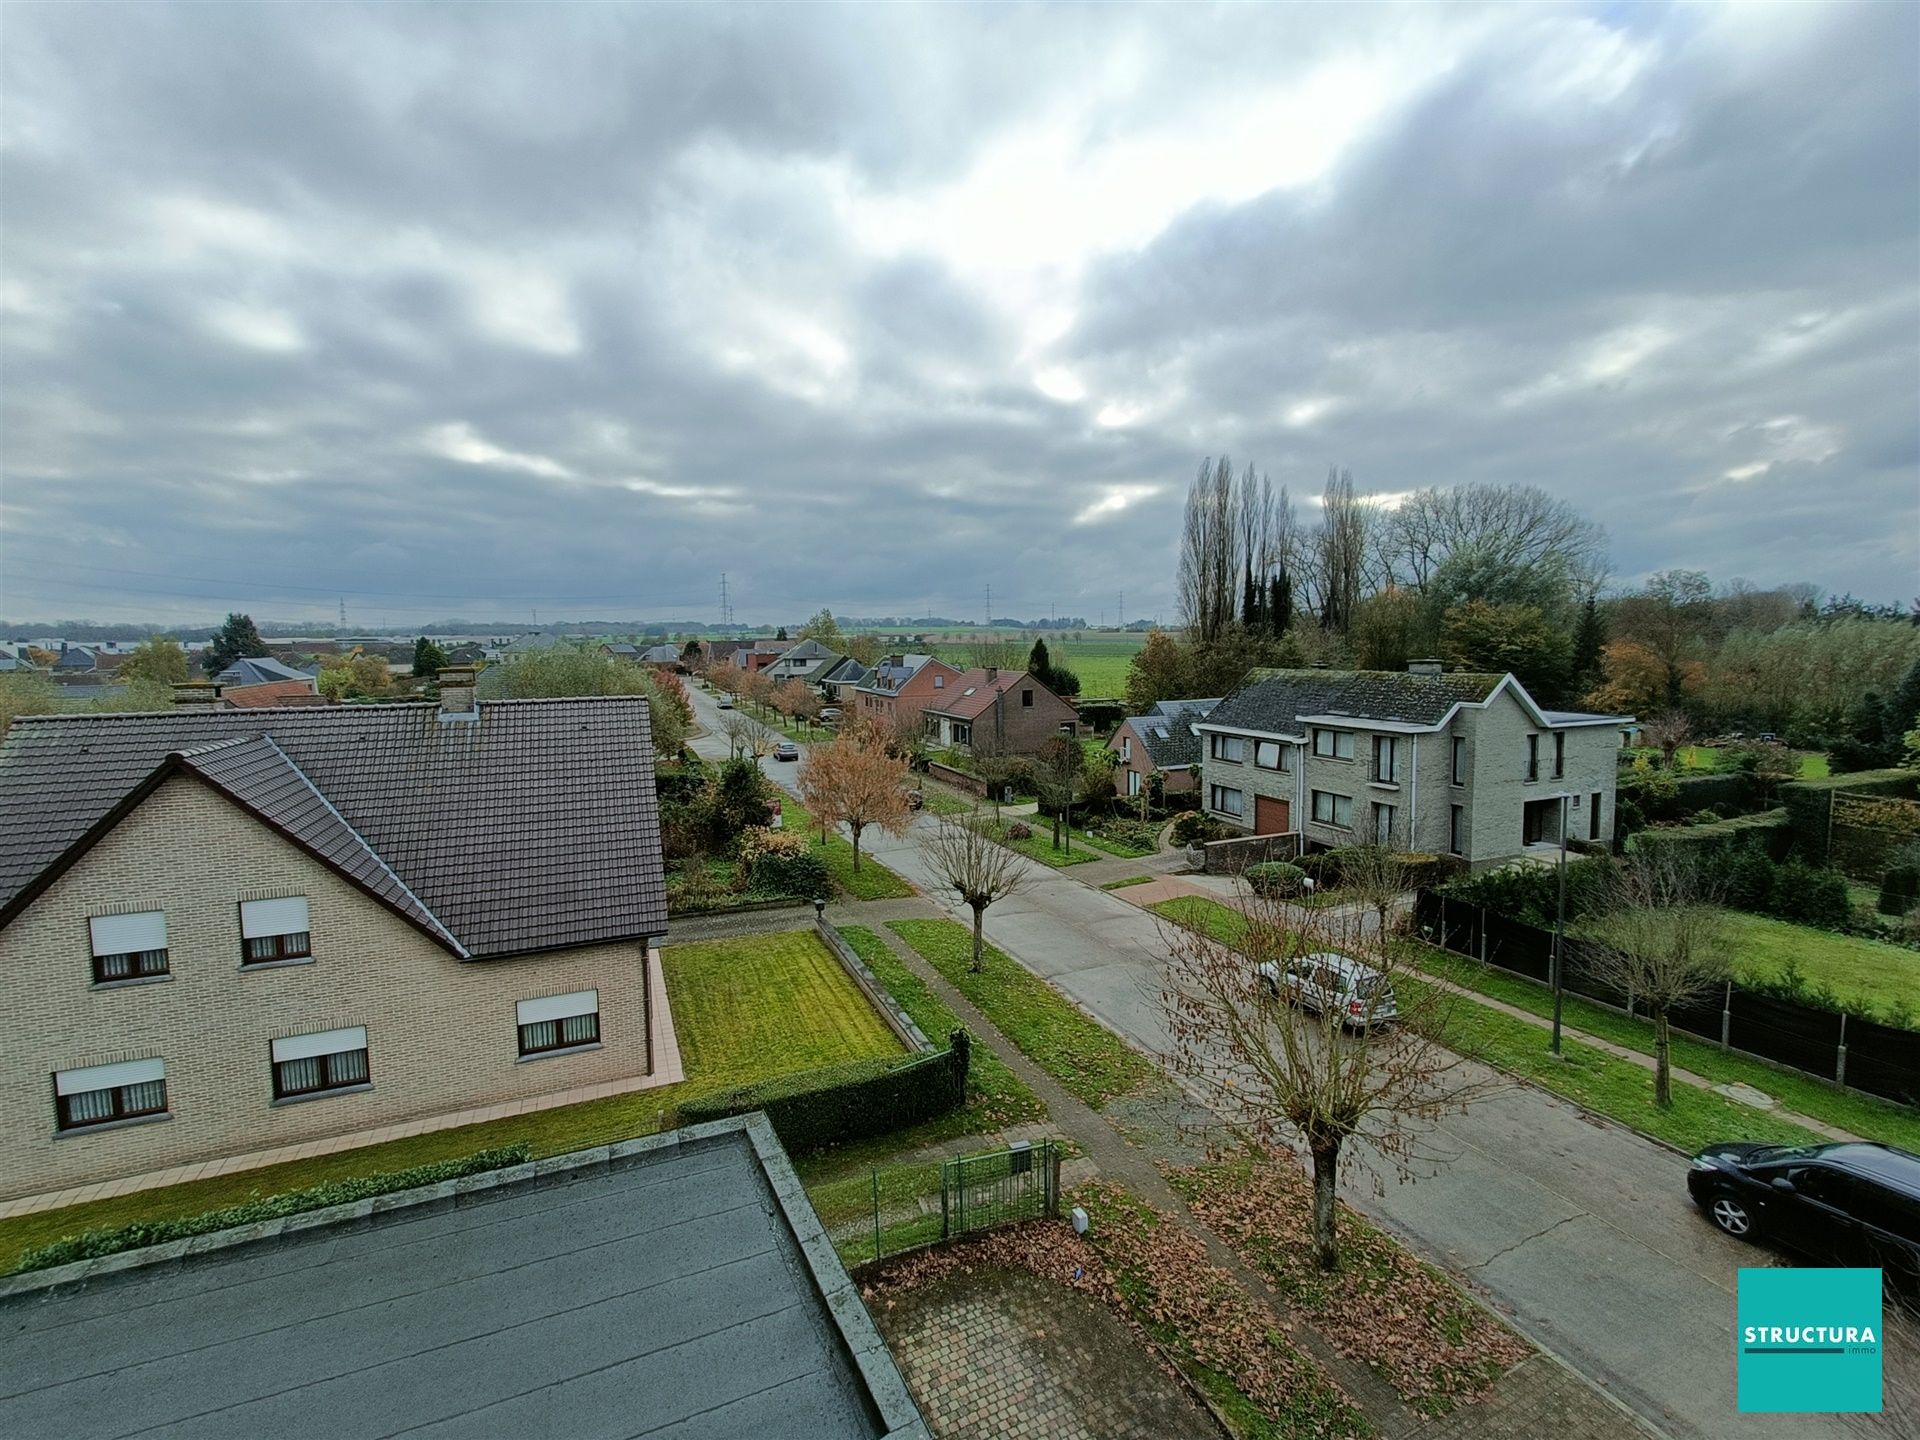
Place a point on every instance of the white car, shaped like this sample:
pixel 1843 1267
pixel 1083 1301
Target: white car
pixel 1330 984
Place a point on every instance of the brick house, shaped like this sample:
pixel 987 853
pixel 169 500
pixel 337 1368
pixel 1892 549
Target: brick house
pixel 1423 760
pixel 1162 740
pixel 903 686
pixel 1011 706
pixel 235 931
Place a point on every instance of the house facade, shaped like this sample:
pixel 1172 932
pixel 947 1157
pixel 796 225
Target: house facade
pixel 1162 740
pixel 804 662
pixel 238 931
pixel 1008 707
pixel 1457 764
pixel 901 687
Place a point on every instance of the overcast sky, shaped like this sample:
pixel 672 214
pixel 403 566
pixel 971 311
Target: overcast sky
pixel 466 310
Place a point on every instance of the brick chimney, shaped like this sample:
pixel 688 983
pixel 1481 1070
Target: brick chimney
pixel 198 695
pixel 993 673
pixel 456 693
pixel 1425 667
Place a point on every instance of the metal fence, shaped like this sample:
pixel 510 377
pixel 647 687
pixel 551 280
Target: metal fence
pixel 923 1204
pixel 1849 1050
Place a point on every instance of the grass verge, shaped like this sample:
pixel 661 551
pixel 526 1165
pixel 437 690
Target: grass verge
pixel 872 881
pixel 1122 884
pixel 744 1010
pixel 1089 1060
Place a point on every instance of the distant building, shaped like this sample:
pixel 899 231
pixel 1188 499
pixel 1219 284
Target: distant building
pixel 259 670
pixel 1162 740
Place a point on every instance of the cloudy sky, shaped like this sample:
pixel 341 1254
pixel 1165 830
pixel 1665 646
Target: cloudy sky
pixel 462 310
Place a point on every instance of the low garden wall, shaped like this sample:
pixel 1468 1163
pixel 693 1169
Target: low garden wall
pixel 1230 857
pixel 1845 1049
pixel 897 1019
pixel 959 779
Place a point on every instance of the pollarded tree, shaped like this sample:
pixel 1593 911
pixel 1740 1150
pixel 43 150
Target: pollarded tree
pixel 857 782
pixel 1273 1073
pixel 1666 732
pixel 968 859
pixel 1060 775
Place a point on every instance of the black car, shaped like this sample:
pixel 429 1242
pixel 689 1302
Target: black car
pixel 1852 1203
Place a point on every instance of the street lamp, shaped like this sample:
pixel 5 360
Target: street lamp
pixel 1560 921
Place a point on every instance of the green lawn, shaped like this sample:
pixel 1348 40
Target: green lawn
pixel 942 801
pixel 1204 916
pixel 744 1009
pixel 1717 759
pixel 1847 1109
pixel 872 881
pixel 1089 1060
pixel 1867 975
pixel 1039 845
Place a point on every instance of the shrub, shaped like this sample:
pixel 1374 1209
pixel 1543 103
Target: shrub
pixel 1019 830
pixel 781 862
pixel 1142 835
pixel 1810 895
pixel 847 1102
pixel 1532 892
pixel 1900 889
pixel 92 1244
pixel 1196 827
pixel 1275 878
pixel 1424 870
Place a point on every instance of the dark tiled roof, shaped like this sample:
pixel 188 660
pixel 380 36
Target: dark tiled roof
pixel 258 670
pixel 1273 700
pixel 533 827
pixel 1166 731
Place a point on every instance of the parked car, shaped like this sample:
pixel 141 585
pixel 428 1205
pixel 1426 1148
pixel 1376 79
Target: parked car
pixel 786 750
pixel 1854 1203
pixel 1330 984
pixel 830 715
pixel 725 702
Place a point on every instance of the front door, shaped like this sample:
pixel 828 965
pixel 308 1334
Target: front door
pixel 1270 816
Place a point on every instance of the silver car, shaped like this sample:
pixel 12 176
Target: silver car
pixel 1337 985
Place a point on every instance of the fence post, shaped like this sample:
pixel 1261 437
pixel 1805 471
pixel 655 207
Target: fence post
pixel 946 1215
pixel 1840 1060
pixel 1726 1017
pixel 876 1212
pixel 1483 934
pixel 1053 1180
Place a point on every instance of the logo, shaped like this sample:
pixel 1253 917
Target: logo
pixel 1808 1341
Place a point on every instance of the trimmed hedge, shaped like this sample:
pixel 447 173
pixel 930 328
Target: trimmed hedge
pixel 1810 802
pixel 837 1103
pixel 1771 832
pixel 92 1244
pixel 1274 878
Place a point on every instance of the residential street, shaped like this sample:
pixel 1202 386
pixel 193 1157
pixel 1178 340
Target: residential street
pixel 1580 1230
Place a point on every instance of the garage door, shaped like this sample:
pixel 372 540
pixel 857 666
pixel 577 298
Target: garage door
pixel 1271 817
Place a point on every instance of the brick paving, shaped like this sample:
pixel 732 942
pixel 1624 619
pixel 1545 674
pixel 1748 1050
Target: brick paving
pixel 1538 1397
pixel 1002 1355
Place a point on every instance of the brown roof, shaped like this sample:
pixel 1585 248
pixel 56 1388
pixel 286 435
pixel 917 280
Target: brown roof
pixel 532 827
pixel 972 694
pixel 274 692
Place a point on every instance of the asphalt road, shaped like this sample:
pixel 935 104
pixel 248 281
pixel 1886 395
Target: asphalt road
pixel 1579 1230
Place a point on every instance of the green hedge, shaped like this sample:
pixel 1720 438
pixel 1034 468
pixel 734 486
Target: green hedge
pixel 92 1244
pixel 1810 802
pixel 1771 831
pixel 838 1103
pixel 1274 877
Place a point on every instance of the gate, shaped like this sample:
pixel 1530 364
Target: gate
pixel 1021 1182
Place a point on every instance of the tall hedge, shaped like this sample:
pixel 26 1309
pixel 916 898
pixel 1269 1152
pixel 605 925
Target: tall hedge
pixel 1809 803
pixel 838 1103
pixel 1770 831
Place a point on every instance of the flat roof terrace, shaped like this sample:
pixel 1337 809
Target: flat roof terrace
pixel 678 1286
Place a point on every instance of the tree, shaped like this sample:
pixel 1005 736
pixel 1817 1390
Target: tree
pixel 992 762
pixel 968 860
pixel 1060 775
pixel 1376 877
pixel 726 677
pixel 1389 629
pixel 993 652
pixel 158 661
pixel 1346 528
pixel 583 669
pixel 798 699
pixel 1669 618
pixel 1517 638
pixel 1237 531
pixel 353 676
pixel 1040 663
pixel 1666 732
pixel 1280 602
pixel 747 737
pixel 857 782
pixel 1157 671
pixel 1505 544
pixel 781 633
pixel 26 692
pixel 865 649
pixel 1635 679
pixel 1589 637
pixel 1770 765
pixel 236 639
pixel 1270 1072
pixel 757 687
pixel 1662 940
pixel 428 659
pixel 824 628
pixel 906 736
pixel 692 657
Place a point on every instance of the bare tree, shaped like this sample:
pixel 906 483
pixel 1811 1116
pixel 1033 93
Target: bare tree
pixel 1662 940
pixel 1060 775
pixel 993 762
pixel 738 727
pixel 858 783
pixel 1506 529
pixel 980 870
pixel 1377 877
pixel 1270 1071
pixel 1346 526
pixel 1208 569
pixel 995 652
pixel 1666 732
pixel 906 733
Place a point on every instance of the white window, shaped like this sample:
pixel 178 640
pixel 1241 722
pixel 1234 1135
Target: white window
pixel 1270 755
pixel 1386 759
pixel 129 947
pixel 273 930
pixel 939 682
pixel 101 1094
pixel 559 1022
pixel 1133 782
pixel 323 1060
pixel 1333 744
pixel 1227 801
pixel 1228 747
pixel 1332 809
pixel 1126 749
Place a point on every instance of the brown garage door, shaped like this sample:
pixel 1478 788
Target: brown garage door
pixel 1271 817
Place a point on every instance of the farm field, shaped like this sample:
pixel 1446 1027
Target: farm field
pixel 1100 659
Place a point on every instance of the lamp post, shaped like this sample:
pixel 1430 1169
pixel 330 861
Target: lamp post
pixel 1560 922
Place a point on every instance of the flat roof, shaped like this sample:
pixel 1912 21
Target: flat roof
pixel 669 1287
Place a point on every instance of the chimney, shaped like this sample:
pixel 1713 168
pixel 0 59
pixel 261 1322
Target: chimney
pixel 993 673
pixel 1424 667
pixel 456 693
pixel 197 695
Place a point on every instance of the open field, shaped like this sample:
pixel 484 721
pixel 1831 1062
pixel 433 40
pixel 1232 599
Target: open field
pixel 1099 658
pixel 1869 975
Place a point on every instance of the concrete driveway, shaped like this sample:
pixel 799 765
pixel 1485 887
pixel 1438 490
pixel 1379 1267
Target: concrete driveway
pixel 1577 1229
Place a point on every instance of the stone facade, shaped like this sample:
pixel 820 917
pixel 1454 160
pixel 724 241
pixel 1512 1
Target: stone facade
pixel 1502 810
pixel 441 1033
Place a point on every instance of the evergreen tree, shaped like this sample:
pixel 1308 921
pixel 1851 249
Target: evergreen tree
pixel 1902 705
pixel 1280 602
pixel 1250 598
pixel 428 659
pixel 236 639
pixel 1589 640
pixel 1040 664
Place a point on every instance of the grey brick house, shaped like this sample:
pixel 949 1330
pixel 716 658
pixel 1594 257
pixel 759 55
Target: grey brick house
pixel 1424 760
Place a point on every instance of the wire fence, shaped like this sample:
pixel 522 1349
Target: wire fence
pixel 908 1206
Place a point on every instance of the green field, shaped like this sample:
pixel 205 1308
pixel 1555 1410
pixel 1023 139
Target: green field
pixel 1099 658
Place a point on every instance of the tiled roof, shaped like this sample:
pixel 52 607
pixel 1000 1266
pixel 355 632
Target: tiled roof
pixel 660 654
pixel 972 694
pixel 258 670
pixel 533 827
pixel 1166 731
pixel 274 692
pixel 1273 700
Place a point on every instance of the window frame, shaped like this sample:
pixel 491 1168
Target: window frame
pixel 1456 829
pixel 282 950
pixel 330 1083
pixel 561 1045
pixel 1026 699
pixel 1280 748
pixel 1334 801
pixel 1334 739
pixel 1391 815
pixel 1533 757
pixel 1593 816
pixel 1391 746
pixel 1217 790
pixel 1559 754
pixel 138 958
pixel 1218 745
pixel 62 1104
pixel 1457 759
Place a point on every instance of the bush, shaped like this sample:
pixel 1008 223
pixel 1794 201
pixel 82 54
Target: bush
pixel 838 1103
pixel 1196 827
pixel 92 1244
pixel 781 862
pixel 1275 878
pixel 1532 892
pixel 1899 889
pixel 1811 896
pixel 1142 835
pixel 1424 870
pixel 1019 830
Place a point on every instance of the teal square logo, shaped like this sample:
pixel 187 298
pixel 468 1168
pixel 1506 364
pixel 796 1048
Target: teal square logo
pixel 1808 1341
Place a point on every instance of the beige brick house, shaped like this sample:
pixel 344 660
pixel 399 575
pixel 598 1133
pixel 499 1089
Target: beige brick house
pixel 235 931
